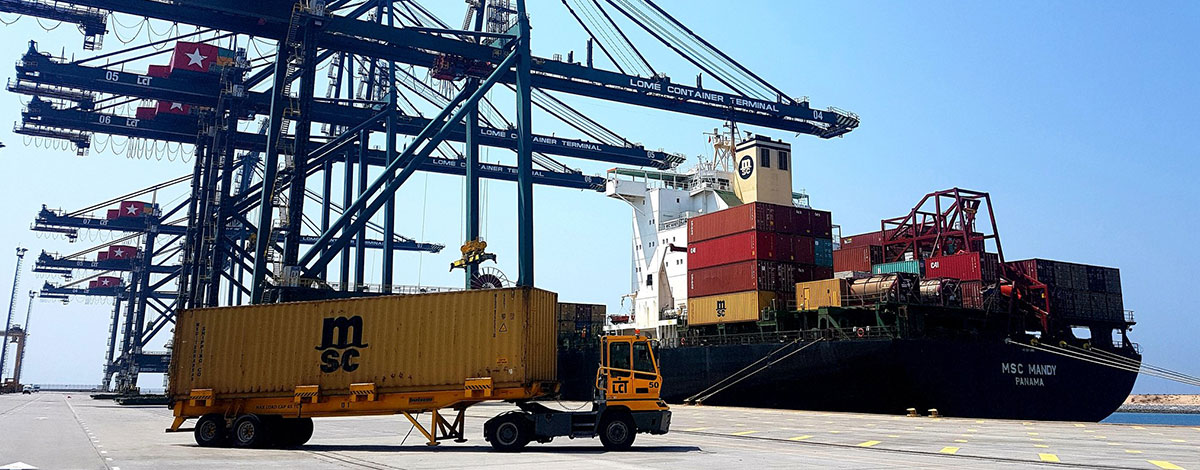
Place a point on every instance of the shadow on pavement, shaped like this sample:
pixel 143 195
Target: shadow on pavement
pixel 532 449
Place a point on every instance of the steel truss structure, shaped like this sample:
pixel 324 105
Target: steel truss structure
pixel 244 235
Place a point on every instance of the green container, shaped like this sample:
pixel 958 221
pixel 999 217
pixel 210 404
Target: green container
pixel 913 267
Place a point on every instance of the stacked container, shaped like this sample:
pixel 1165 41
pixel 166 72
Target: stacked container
pixel 748 258
pixel 579 325
pixel 974 269
pixel 1077 291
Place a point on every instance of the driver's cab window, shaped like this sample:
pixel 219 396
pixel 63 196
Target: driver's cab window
pixel 618 353
pixel 642 362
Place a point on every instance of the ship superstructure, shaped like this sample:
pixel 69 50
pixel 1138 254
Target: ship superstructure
pixel 758 168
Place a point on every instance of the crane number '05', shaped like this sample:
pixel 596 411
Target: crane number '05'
pixel 112 76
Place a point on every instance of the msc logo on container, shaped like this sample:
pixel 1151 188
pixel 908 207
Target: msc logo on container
pixel 341 338
pixel 720 308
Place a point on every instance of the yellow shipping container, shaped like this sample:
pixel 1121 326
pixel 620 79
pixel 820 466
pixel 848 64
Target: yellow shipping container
pixel 400 343
pixel 728 308
pixel 823 293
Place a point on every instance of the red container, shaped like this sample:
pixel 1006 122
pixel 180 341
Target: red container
pixel 972 294
pixel 971 266
pixel 122 252
pixel 734 248
pixel 92 284
pixel 739 277
pixel 799 249
pixel 863 239
pixel 112 214
pixel 158 71
pixel 192 56
pixel 821 223
pixel 134 208
pixel 101 256
pixel 145 113
pixel 858 258
pixel 756 216
pixel 802 221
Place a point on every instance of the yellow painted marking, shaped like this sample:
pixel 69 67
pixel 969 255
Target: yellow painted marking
pixel 918 427
pixel 743 433
pixel 799 438
pixel 1178 440
pixel 1114 443
pixel 835 432
pixel 1127 451
pixel 1041 446
pixel 972 430
pixel 829 422
pixel 1028 424
pixel 1048 457
pixel 980 421
pixel 949 450
pixel 1035 439
pixel 694 429
pixel 1089 431
pixel 1032 433
pixel 960 440
pixel 1101 437
pixel 893 435
pixel 868 443
pixel 1079 425
pixel 1138 427
pixel 739 424
pixel 1165 465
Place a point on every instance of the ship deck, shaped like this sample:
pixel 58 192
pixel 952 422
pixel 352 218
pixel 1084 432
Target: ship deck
pixel 50 430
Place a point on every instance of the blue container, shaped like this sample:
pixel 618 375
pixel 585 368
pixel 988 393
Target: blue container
pixel 823 252
pixel 913 267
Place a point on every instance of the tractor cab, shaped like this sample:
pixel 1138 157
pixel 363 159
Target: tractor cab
pixel 628 374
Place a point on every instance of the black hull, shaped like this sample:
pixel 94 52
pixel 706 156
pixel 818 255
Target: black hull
pixel 959 378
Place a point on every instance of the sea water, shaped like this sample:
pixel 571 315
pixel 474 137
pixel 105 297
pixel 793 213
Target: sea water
pixel 1178 419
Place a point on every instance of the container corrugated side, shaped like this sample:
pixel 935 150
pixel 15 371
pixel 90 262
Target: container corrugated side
pixel 400 343
pixel 859 258
pixel 970 266
pixel 740 277
pixel 758 216
pixel 745 246
pixel 816 294
pixel 911 267
pixel 728 308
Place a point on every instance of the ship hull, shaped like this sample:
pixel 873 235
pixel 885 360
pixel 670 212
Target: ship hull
pixel 959 378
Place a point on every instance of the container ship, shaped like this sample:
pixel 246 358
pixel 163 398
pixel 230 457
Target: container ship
pixel 757 300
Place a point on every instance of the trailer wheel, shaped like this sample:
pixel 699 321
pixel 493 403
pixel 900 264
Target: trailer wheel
pixel 251 431
pixel 510 433
pixel 617 431
pixel 211 431
pixel 294 432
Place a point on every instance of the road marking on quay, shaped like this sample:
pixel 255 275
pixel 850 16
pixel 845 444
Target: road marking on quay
pixel 1048 457
pixel 1041 446
pixel 695 429
pixel 868 443
pixel 1130 451
pixel 1178 440
pixel 1163 464
pixel 949 450
pixel 1139 427
pixel 799 438
pixel 743 433
pixel 963 441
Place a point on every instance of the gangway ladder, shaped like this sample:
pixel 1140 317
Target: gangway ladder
pixel 746 372
pixel 293 46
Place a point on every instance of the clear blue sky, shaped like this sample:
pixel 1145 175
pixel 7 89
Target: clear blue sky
pixel 1078 117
